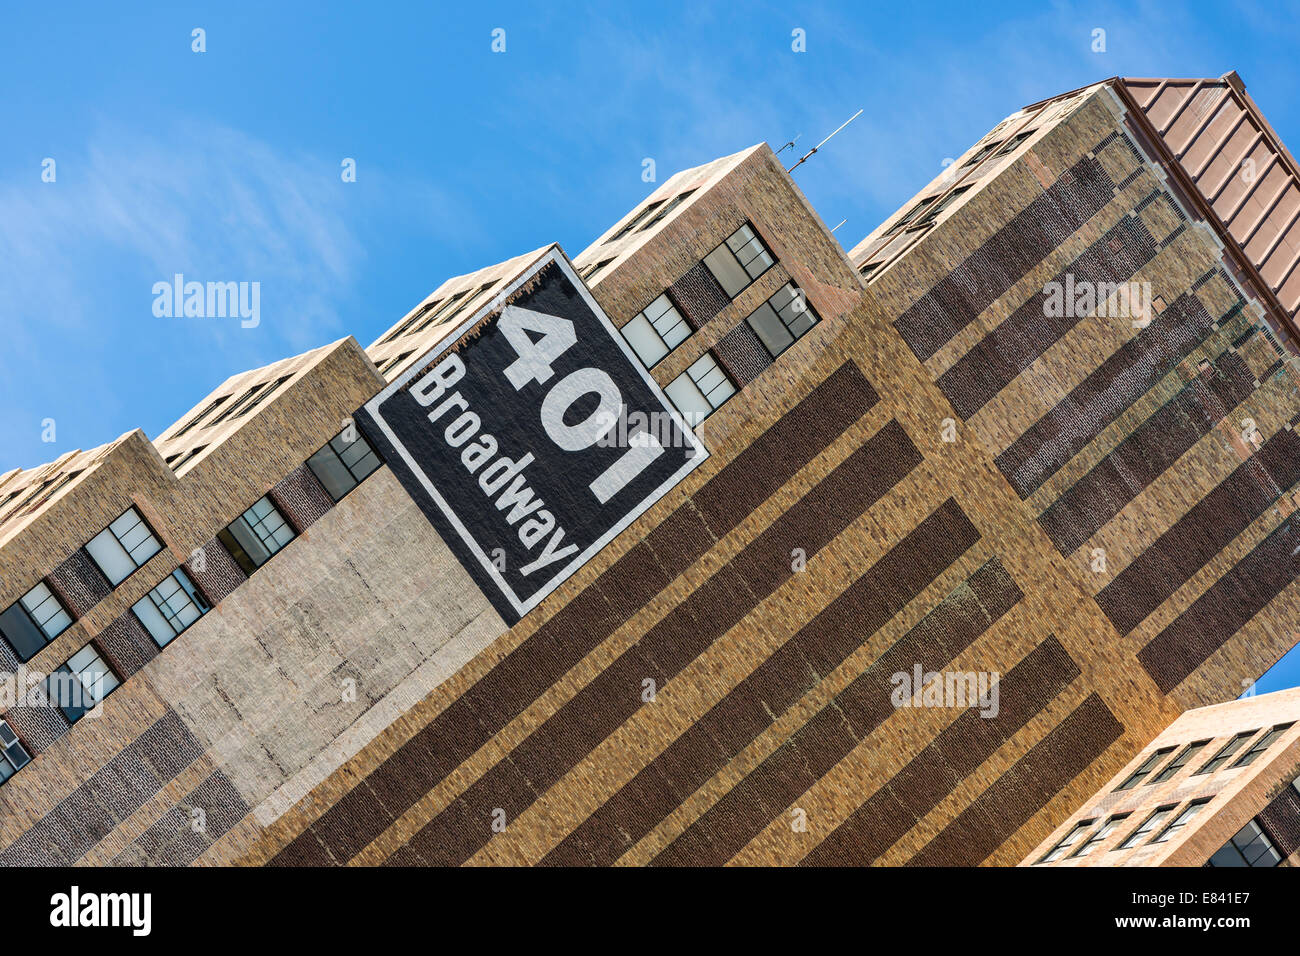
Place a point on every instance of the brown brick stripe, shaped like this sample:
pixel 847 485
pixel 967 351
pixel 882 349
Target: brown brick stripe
pixel 1225 608
pixel 1127 375
pixel 1206 529
pixel 995 361
pixel 937 770
pixel 1025 789
pixel 1281 818
pixel 985 276
pixel 575 629
pixel 613 696
pixel 781 681
pixel 1146 454
pixel 858 710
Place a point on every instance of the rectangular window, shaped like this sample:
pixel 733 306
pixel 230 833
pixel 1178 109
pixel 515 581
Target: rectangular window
pixel 1141 772
pixel 123 546
pixel 1184 757
pixel 1226 752
pixel 1264 742
pixel 740 260
pixel 635 221
pixel 1184 818
pixel 81 683
pixel 782 319
pixel 1070 840
pixel 170 608
pixel 700 390
pixel 932 213
pixel 257 534
pixel 209 409
pixel 656 331
pixel 1149 825
pixel 341 465
pixel 666 209
pixel 1250 846
pixel 1103 831
pixel 33 621
pixel 13 755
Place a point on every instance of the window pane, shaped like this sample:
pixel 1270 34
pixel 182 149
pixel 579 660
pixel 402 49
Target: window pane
pixel 21 632
pixel 328 467
pixel 249 542
pixel 768 326
pixel 148 614
pixel 48 613
pixel 690 401
pixel 645 341
pixel 727 270
pixel 111 557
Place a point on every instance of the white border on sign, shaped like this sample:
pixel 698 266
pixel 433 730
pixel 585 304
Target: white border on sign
pixel 522 607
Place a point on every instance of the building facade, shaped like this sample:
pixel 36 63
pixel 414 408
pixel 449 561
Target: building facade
pixel 1219 787
pixel 988 503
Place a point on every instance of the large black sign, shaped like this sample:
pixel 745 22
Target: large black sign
pixel 532 439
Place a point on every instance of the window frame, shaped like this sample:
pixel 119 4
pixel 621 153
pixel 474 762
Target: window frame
pixel 66 667
pixel 7 748
pixel 1227 751
pixel 109 529
pixel 356 481
pixel 226 536
pixel 1178 762
pixel 1144 769
pixel 1099 836
pixel 798 295
pixel 695 383
pixel 1189 813
pixel 1149 825
pixel 654 329
pixel 754 236
pixel 1266 740
pixel 1070 839
pixel 193 592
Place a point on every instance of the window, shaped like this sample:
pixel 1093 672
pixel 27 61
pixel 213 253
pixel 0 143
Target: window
pixel 699 390
pixel 257 534
pixel 595 267
pixel 933 212
pixel 1015 141
pixel 1228 749
pixel 179 460
pixel 669 207
pixel 262 396
pixel 1246 759
pixel 740 260
pixel 341 464
pixel 656 331
pixel 912 213
pixel 782 319
pixel 1191 810
pixel 635 221
pixel 13 755
pixel 170 608
pixel 81 683
pixel 1180 761
pixel 1103 831
pixel 446 313
pixel 123 546
pixel 411 320
pixel 1153 821
pixel 1148 765
pixel 33 621
pixel 983 154
pixel 1249 847
pixel 211 407
pixel 1070 840
pixel 395 361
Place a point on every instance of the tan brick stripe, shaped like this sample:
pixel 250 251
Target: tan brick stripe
pixel 773 687
pixel 835 730
pixel 599 708
pixel 471 720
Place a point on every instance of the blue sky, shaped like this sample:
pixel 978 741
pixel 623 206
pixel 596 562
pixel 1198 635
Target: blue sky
pixel 225 165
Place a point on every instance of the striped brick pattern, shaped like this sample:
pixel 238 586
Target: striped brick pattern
pixel 220 573
pixel 698 296
pixel 742 354
pixel 301 498
pixel 1281 818
pixel 127 645
pixel 79 584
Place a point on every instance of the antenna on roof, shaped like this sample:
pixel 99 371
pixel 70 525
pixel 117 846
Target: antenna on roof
pixel 808 154
pixel 842 222
pixel 789 145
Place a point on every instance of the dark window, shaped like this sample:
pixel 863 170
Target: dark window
pixel 211 407
pixel 1181 821
pixel 1226 752
pixel 126 544
pixel 592 269
pixel 170 608
pixel 1070 840
pixel 1149 825
pixel 1103 831
pixel 1184 756
pixel 257 534
pixel 1138 775
pixel 782 319
pixel 34 620
pixel 179 460
pixel 1250 846
pixel 1015 141
pixel 933 212
pixel 666 209
pixel 344 463
pixel 81 683
pixel 395 361
pixel 739 260
pixel 635 221
pixel 1261 745
pixel 13 755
